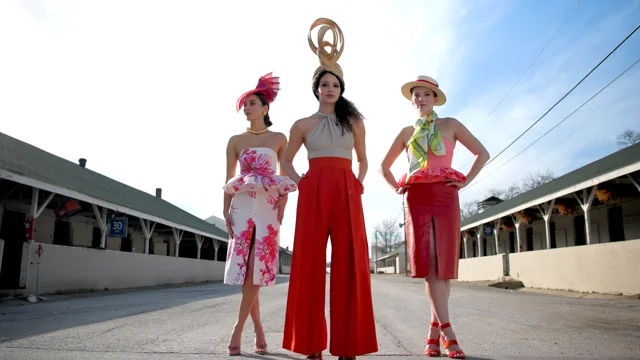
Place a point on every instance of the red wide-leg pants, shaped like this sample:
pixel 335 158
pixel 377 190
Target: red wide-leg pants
pixel 330 205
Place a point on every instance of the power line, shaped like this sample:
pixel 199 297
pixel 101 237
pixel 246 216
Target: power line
pixel 584 123
pixel 530 65
pixel 565 95
pixel 556 125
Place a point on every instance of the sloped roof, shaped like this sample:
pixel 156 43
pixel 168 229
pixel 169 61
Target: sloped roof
pixel 22 162
pixel 626 160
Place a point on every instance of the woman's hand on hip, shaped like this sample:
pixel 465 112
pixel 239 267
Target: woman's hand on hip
pixel 301 177
pixel 458 184
pixel 280 205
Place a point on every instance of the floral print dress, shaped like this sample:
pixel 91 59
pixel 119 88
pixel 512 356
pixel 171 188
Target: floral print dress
pixel 255 191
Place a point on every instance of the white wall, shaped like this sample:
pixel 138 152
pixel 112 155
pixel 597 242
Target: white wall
pixel 388 270
pixel 481 268
pixel 604 268
pixel 75 268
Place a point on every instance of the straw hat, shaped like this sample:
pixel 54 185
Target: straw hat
pixel 427 82
pixel 328 60
pixel 268 85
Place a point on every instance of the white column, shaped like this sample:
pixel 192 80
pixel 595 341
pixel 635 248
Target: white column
pixel 546 210
pixel 634 181
pixel 101 217
pixel 516 222
pixel 464 239
pixel 585 203
pixel 479 236
pixel 199 242
pixel 216 246
pixel 147 229
pixel 496 231
pixel 36 209
pixel 177 237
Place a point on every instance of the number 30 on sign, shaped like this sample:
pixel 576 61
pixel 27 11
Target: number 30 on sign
pixel 118 227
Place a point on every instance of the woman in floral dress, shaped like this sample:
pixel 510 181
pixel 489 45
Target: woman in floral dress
pixel 254 203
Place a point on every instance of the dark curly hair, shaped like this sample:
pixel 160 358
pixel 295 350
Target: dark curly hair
pixel 267 120
pixel 345 109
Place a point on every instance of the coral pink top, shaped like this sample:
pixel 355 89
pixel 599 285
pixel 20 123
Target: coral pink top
pixel 438 168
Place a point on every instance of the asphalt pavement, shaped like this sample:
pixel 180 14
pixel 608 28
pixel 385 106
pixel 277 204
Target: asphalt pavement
pixel 194 322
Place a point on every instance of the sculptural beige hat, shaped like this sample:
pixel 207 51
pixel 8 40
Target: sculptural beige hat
pixel 427 82
pixel 328 60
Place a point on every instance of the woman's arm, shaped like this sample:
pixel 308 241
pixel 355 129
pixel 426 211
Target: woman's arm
pixel 282 201
pixel 395 150
pixel 466 138
pixel 360 146
pixel 232 159
pixel 296 140
pixel 282 146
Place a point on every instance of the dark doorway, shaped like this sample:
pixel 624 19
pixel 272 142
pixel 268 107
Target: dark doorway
pixel 529 239
pixel 578 224
pixel 512 242
pixel 126 243
pixel 616 225
pixel 188 249
pixel 13 234
pixel 96 237
pixel 168 245
pixel 62 233
pixel 222 251
pixel 206 251
pixel 552 235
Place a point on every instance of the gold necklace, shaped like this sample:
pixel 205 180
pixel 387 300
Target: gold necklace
pixel 257 132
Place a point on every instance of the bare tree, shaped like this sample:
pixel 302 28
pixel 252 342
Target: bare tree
pixel 512 191
pixel 505 194
pixel 468 209
pixel 628 138
pixel 534 179
pixel 387 235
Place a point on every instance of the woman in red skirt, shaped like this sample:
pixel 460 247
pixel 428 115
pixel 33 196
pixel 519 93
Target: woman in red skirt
pixel 432 209
pixel 329 205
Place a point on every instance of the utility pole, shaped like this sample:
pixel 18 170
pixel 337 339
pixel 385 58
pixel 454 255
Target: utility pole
pixel 375 257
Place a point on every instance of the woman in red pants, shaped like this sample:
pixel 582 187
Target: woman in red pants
pixel 329 205
pixel 432 209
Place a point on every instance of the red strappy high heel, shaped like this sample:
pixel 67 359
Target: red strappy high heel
pixel 458 354
pixel 431 341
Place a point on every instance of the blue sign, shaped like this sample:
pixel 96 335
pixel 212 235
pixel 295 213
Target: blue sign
pixel 118 227
pixel 487 229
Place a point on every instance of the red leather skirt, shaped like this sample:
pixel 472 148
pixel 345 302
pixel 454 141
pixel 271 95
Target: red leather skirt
pixel 426 205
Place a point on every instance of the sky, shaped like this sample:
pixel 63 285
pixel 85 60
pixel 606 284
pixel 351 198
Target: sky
pixel 146 90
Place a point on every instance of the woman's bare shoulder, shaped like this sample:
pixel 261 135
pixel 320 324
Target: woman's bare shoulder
pixel 406 132
pixel 304 123
pixel 448 121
